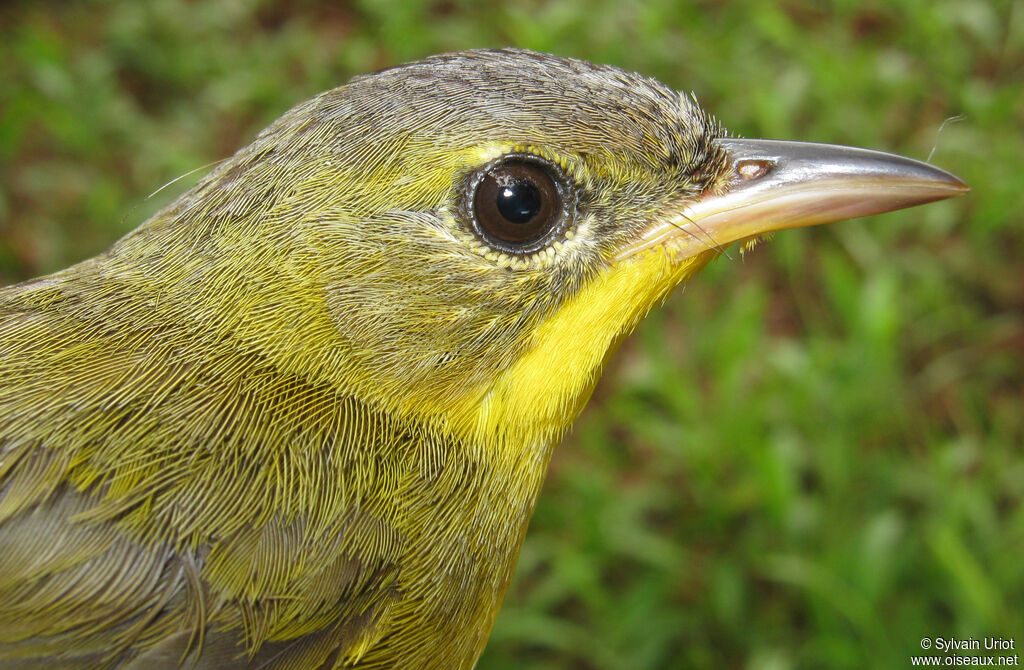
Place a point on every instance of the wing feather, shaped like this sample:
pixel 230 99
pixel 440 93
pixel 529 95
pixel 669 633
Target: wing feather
pixel 173 499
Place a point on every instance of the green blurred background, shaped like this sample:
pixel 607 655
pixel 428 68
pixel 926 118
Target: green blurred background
pixel 810 458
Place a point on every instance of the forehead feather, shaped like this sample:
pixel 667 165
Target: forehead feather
pixel 524 97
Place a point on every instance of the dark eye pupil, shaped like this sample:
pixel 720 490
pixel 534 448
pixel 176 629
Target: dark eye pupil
pixel 519 201
pixel 518 205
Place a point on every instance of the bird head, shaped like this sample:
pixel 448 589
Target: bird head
pixel 462 241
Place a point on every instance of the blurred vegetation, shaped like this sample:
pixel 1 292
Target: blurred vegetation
pixel 810 458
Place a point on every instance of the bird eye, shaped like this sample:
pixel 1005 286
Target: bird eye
pixel 519 204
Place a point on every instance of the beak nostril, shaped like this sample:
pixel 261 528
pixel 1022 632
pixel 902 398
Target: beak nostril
pixel 753 169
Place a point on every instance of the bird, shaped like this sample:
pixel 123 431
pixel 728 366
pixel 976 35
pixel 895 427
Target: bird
pixel 300 418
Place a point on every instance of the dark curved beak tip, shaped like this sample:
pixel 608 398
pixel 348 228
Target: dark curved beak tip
pixel 954 183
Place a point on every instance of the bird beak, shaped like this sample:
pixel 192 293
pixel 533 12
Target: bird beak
pixel 776 185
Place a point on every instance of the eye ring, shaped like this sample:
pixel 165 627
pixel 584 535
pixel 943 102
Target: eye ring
pixel 520 203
